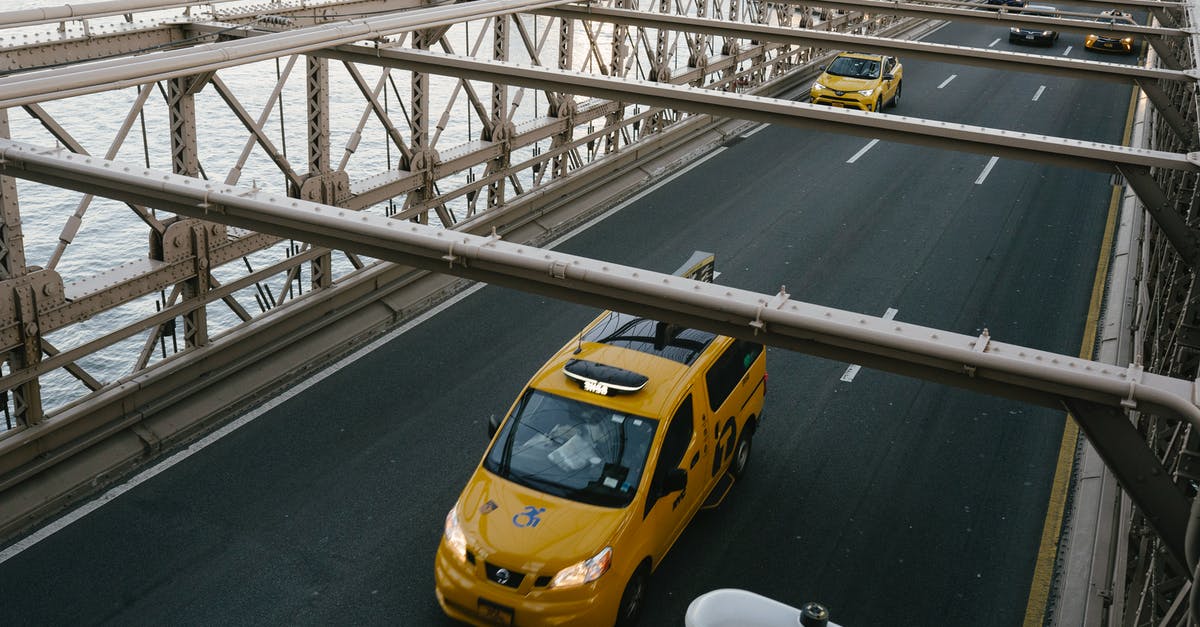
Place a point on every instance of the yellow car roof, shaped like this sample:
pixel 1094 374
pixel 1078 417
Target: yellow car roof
pixel 621 350
pixel 862 55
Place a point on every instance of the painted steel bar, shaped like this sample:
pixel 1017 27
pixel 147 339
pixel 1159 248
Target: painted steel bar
pixel 951 136
pixel 1140 473
pixel 108 8
pixel 990 14
pixel 967 361
pixel 109 74
pixel 1104 4
pixel 1009 61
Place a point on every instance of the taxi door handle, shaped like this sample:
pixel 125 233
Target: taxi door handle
pixel 695 460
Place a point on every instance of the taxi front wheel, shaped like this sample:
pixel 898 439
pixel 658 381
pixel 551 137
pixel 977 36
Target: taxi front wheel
pixel 631 600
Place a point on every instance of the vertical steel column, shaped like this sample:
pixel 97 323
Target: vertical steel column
pixel 12 243
pixel 616 69
pixel 424 157
pixel 660 71
pixel 501 128
pixel 699 48
pixel 566 102
pixel 730 46
pixel 27 397
pixel 316 87
pixel 181 109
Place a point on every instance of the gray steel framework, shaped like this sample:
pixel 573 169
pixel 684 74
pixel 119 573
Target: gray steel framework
pixel 649 75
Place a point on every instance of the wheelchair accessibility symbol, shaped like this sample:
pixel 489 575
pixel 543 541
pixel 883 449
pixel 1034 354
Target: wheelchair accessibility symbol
pixel 528 517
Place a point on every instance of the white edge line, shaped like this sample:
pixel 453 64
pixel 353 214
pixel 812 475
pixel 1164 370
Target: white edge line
pixel 994 42
pixel 199 445
pixel 1067 51
pixel 862 151
pixel 986 170
pixel 947 81
pixel 753 131
pixel 1040 90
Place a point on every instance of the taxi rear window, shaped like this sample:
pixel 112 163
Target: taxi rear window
pixel 678 344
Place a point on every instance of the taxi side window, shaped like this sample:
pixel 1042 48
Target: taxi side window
pixel 728 369
pixel 675 444
pixel 679 435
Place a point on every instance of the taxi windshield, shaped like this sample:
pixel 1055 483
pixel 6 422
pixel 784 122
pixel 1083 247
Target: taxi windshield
pixel 572 449
pixel 854 67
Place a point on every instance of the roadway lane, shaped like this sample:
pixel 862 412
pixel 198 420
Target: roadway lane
pixel 889 499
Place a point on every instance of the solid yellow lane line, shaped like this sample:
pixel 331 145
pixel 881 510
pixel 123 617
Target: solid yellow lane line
pixel 1043 572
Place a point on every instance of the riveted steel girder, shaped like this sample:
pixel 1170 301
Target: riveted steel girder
pixel 1009 61
pixel 110 74
pixel 977 363
pixel 978 139
pixel 992 14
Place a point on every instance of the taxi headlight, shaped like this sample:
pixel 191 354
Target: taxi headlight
pixel 866 92
pixel 455 539
pixel 588 570
pixel 817 86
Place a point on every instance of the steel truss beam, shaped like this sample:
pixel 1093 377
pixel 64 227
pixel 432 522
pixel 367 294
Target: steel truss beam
pixel 110 74
pixel 1097 393
pixel 1008 61
pixel 903 129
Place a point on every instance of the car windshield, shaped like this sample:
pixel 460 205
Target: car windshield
pixel 854 67
pixel 572 449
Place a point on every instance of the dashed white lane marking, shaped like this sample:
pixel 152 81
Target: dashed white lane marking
pixel 1067 51
pixel 994 42
pixel 852 371
pixel 1039 92
pixel 863 151
pixel 947 81
pixel 986 170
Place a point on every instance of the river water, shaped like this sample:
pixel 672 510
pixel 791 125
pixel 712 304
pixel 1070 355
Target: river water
pixel 111 234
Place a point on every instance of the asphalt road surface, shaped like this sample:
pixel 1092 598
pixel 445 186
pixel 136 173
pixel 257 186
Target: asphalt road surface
pixel 890 500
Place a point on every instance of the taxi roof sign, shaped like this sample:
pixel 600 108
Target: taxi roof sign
pixel 604 379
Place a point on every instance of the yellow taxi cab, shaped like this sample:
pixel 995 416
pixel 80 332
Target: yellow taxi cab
pixel 1112 42
pixel 855 80
pixel 601 462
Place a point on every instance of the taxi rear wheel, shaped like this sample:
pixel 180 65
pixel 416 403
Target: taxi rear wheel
pixel 632 598
pixel 741 454
pixel 896 99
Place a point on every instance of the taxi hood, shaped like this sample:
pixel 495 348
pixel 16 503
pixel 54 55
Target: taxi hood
pixel 847 83
pixel 508 523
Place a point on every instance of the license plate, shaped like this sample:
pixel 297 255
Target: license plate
pixel 494 613
pixel 1029 37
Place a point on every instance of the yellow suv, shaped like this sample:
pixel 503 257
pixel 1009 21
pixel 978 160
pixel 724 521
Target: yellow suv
pixel 1111 41
pixel 855 80
pixel 601 462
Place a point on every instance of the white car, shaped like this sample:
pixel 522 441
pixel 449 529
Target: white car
pixel 730 607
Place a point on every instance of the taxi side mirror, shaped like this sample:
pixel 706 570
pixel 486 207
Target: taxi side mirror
pixel 888 77
pixel 493 425
pixel 674 481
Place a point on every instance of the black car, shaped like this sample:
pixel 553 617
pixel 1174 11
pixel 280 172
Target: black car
pixel 1011 3
pixel 1031 34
